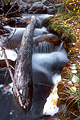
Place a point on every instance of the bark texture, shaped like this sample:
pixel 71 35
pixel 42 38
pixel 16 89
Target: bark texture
pixel 23 72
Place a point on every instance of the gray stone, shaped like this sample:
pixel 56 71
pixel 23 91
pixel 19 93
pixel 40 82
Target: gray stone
pixel 36 5
pixel 51 11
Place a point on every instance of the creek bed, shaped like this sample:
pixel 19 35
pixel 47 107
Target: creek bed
pixel 47 63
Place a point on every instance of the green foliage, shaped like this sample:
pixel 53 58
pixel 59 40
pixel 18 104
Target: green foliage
pixel 71 5
pixel 63 32
pixel 77 118
pixel 68 77
pixel 6 1
pixel 68 15
pixel 70 53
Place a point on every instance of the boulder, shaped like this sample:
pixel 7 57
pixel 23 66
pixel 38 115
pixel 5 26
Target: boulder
pixel 36 5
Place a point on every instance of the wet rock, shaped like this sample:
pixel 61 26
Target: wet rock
pixel 23 5
pixel 36 5
pixel 21 24
pixel 24 8
pixel 48 38
pixel 30 12
pixel 51 10
pixel 3 63
pixel 40 11
pixel 40 31
pixel 48 2
pixel 11 22
pixel 45 2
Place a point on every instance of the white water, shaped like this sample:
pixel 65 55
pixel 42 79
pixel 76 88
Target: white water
pixel 48 63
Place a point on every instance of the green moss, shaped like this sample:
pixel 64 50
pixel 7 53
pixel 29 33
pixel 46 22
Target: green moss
pixel 68 15
pixel 70 53
pixel 63 32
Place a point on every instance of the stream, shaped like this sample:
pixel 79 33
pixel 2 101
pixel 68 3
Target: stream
pixel 47 62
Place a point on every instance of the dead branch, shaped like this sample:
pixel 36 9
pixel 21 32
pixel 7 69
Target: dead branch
pixel 10 9
pixel 7 63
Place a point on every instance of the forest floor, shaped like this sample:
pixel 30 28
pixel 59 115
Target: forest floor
pixel 67 26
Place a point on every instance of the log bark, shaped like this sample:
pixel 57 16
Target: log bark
pixel 23 68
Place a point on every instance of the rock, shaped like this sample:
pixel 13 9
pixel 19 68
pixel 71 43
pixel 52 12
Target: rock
pixel 48 38
pixel 23 6
pixel 40 11
pixel 36 5
pixel 48 2
pixel 30 12
pixel 40 31
pixel 45 2
pixel 11 56
pixel 51 11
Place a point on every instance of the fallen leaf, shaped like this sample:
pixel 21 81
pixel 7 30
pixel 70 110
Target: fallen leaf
pixel 7 87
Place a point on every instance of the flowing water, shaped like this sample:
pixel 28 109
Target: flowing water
pixel 47 63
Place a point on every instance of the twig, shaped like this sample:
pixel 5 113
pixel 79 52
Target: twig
pixel 66 6
pixel 7 63
pixel 12 67
pixel 8 39
pixel 73 114
pixel 10 9
pixel 14 11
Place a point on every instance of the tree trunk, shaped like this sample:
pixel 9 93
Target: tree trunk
pixel 23 68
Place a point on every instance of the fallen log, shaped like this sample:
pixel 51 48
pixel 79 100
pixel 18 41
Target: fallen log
pixel 23 67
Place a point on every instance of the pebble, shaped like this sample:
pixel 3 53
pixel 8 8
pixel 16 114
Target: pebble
pixel 10 113
pixel 73 44
pixel 78 56
pixel 73 67
pixel 74 71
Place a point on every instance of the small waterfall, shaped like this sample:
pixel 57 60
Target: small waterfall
pixel 43 47
pixel 61 46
